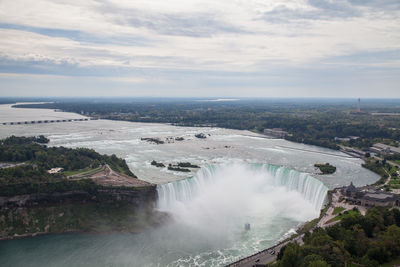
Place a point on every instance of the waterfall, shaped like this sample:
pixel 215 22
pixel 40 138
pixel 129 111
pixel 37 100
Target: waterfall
pixel 183 191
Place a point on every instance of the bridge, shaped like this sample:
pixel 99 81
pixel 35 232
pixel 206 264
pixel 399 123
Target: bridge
pixel 46 121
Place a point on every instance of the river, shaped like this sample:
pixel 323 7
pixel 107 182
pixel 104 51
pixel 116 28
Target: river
pixel 244 186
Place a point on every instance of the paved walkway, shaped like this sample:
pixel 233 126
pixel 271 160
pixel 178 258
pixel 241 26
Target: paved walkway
pixel 266 256
pixel 388 179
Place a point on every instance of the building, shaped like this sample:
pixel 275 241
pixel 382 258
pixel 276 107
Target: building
pixel 343 139
pixel 275 132
pixel 384 149
pixel 370 198
pixel 347 139
pixel 380 199
pixel 352 192
pixel 55 170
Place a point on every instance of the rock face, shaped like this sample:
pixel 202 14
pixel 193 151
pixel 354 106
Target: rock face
pixel 107 209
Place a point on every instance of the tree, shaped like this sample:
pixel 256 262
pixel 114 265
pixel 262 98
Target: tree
pixel 318 263
pixel 291 256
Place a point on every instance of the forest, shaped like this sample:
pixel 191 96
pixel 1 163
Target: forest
pixel 370 240
pixel 37 158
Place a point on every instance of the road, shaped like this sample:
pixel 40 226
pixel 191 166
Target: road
pixel 266 256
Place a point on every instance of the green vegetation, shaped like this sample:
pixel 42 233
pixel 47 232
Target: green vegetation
pixel 347 213
pixel 153 140
pixel 60 186
pixel 369 240
pixel 84 172
pixel 326 168
pixel 157 164
pixel 187 165
pixel 33 176
pixel 200 136
pixel 384 169
pixel 395 262
pixel 85 206
pixel 176 168
pixel 338 210
pixel 14 140
pixel 377 167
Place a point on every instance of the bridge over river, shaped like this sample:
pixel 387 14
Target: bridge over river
pixel 46 121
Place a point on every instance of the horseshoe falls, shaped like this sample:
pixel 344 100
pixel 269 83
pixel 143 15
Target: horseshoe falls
pixel 220 199
pixel 248 178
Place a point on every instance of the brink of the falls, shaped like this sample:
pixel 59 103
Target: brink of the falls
pixel 240 183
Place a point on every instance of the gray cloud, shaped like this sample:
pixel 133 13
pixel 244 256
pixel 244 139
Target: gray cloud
pixel 325 10
pixel 179 24
pixel 124 50
pixel 381 4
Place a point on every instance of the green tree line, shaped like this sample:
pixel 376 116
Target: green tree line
pixel 357 240
pixel 39 158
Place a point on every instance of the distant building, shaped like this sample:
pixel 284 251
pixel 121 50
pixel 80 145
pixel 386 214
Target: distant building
pixel 55 170
pixel 352 191
pixel 358 110
pixel 275 132
pixel 380 199
pixel 384 149
pixel 370 198
pixel 346 139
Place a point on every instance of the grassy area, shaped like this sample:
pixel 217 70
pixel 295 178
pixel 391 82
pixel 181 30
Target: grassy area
pixel 395 186
pixel 338 210
pixel 392 171
pixel 83 172
pixel 308 226
pixel 395 180
pixel 343 215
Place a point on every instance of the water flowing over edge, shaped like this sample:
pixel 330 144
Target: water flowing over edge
pixel 313 190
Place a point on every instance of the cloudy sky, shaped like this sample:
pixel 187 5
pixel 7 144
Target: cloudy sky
pixel 256 48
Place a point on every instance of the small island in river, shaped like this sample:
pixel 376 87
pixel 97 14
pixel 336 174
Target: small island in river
pixel 325 168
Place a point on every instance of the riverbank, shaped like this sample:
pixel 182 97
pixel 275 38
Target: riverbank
pixel 329 216
pixel 106 210
pixel 269 255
